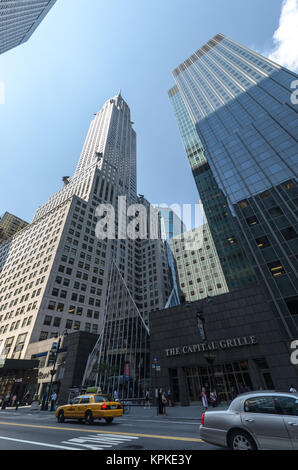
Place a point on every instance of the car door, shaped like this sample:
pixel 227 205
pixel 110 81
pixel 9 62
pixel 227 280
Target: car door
pixel 71 410
pixel 289 407
pixel 84 406
pixel 261 417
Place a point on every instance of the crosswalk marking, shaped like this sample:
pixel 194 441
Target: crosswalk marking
pixel 100 441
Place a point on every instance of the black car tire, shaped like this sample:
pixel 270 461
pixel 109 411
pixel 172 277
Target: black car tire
pixel 60 417
pixel 109 420
pixel 241 440
pixel 88 417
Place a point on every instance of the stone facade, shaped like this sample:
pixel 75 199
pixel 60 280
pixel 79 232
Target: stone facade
pixel 242 338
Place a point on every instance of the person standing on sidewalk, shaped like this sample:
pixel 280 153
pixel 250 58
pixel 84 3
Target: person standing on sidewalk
pixel 164 403
pixel 213 398
pixel 204 399
pixel 147 400
pixel 159 401
pixel 170 397
pixel 53 401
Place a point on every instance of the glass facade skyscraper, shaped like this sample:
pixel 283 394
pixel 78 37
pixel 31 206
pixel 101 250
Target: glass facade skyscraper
pixel 238 121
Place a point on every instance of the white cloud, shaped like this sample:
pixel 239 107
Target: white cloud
pixel 285 38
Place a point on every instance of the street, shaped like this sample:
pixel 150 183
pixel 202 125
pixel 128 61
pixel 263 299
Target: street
pixel 40 431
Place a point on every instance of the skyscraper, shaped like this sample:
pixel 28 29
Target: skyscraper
pixel 238 121
pixel 9 225
pixel 198 268
pixel 55 273
pixel 171 224
pixel 19 19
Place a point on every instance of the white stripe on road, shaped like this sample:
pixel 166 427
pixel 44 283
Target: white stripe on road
pixel 100 441
pixel 38 443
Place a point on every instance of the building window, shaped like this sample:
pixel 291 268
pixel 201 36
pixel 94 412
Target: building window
pixel 251 221
pixel 60 307
pixel 289 233
pixel 276 268
pixel 71 309
pixel 292 304
pixel 243 204
pixel 275 211
pixel 47 320
pixel 52 305
pixel 68 324
pixel 43 335
pixel 57 322
pixel 262 242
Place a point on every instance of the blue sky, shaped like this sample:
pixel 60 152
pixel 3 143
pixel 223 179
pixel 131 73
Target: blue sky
pixel 82 54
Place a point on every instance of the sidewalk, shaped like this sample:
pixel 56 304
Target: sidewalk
pixel 192 412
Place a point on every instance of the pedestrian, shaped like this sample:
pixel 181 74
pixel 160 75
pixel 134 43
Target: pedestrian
pixel 147 400
pixel 204 399
pixel 115 395
pixel 14 399
pixel 17 404
pixel 159 401
pixel 213 398
pixel 170 397
pixel 292 389
pixel 234 393
pixel 7 399
pixel 164 403
pixel 53 401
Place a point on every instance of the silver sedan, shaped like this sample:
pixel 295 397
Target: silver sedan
pixel 264 420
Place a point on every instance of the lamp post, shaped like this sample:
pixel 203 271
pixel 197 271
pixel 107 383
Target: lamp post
pixel 55 350
pixel 210 357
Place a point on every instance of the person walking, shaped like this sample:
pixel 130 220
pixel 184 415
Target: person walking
pixel 204 399
pixel 14 399
pixel 292 389
pixel 147 400
pixel 159 401
pixel 170 398
pixel 164 403
pixel 53 401
pixel 115 395
pixel 213 398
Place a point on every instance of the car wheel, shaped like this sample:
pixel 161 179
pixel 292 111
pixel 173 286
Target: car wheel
pixel 109 420
pixel 60 418
pixel 88 417
pixel 240 440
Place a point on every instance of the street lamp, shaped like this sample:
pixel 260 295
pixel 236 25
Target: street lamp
pixel 55 350
pixel 210 358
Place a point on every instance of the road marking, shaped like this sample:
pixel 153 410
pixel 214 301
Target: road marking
pixel 43 444
pixel 115 433
pixel 100 441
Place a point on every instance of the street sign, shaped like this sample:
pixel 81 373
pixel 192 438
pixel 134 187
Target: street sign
pixel 155 360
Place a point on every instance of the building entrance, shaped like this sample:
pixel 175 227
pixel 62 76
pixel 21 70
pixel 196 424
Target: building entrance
pixel 229 380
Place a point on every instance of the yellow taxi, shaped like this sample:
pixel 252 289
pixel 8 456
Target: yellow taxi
pixel 90 407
